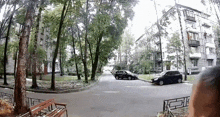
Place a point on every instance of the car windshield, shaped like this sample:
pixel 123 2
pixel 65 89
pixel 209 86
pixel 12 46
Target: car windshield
pixel 129 72
pixel 162 73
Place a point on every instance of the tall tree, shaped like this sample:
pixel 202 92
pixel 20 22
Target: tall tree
pixel 34 71
pixel 108 24
pixel 86 44
pixel 6 44
pixel 20 81
pixel 174 47
pixel 64 12
pixel 75 55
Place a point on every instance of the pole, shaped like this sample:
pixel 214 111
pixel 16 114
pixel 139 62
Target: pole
pixel 159 37
pixel 184 53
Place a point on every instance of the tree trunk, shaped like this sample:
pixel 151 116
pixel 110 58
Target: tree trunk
pixel 6 45
pixel 74 52
pixel 20 81
pixel 16 54
pixel 34 63
pixel 57 46
pixel 85 49
pixel 95 64
pixel 60 59
pixel 184 48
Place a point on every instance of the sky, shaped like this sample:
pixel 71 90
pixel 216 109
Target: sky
pixel 145 14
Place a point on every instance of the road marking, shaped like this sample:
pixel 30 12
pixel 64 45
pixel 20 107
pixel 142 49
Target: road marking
pixel 111 91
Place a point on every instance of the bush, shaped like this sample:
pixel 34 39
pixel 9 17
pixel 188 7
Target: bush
pixel 6 109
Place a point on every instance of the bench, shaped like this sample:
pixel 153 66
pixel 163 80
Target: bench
pixel 48 108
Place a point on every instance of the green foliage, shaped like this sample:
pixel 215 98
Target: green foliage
pixel 41 52
pixel 20 16
pixel 174 46
pixel 13 48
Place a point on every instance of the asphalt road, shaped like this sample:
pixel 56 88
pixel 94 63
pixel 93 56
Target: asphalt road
pixel 117 98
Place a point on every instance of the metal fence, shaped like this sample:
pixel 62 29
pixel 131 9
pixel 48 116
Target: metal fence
pixel 172 104
pixel 10 98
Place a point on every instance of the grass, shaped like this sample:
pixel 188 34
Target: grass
pixel 190 78
pixel 59 78
pixel 146 76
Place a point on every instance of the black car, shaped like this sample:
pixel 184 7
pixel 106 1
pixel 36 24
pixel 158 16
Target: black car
pixel 121 74
pixel 168 77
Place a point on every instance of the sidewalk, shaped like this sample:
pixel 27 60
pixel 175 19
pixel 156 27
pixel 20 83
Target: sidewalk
pixel 180 112
pixel 44 86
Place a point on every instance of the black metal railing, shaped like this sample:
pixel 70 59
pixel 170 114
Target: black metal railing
pixel 7 97
pixel 33 101
pixel 194 43
pixel 175 103
pixel 190 18
pixel 10 98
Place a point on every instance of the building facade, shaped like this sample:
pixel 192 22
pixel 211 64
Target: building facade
pixel 197 37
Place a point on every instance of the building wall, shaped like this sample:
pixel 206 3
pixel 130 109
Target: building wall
pixel 200 51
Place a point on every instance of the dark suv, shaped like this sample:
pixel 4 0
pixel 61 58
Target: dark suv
pixel 121 74
pixel 168 77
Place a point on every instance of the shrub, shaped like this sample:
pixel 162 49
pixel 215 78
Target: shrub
pixel 6 109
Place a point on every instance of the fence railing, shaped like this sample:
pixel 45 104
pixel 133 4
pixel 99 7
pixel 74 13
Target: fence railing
pixel 10 98
pixel 171 104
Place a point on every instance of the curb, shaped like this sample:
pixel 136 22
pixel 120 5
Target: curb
pixel 145 80
pixel 55 92
pixel 150 81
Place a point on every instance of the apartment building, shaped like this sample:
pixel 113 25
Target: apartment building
pixel 198 39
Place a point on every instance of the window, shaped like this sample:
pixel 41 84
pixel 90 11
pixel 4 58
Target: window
pixel 194 49
pixel 192 36
pixel 211 50
pixel 189 13
pixel 194 62
pixel 210 61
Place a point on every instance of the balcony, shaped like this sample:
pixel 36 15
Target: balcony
pixel 211 56
pixel 190 18
pixel 193 43
pixel 195 55
pixel 210 44
pixel 206 25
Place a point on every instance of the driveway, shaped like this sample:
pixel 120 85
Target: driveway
pixel 117 98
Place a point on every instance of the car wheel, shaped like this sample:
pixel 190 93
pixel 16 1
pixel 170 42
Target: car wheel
pixel 161 82
pixel 179 80
pixel 129 78
pixel 116 77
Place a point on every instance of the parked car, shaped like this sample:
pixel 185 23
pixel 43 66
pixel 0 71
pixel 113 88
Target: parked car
pixel 168 77
pixel 121 74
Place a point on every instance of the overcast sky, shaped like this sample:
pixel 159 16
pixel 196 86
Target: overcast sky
pixel 145 14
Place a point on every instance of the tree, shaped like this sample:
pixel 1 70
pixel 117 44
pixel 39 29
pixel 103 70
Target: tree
pixel 64 12
pixel 75 55
pixel 107 24
pixel 14 46
pixel 6 43
pixel 34 72
pixel 174 46
pixel 20 81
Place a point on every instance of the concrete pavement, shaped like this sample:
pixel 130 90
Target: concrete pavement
pixel 117 98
